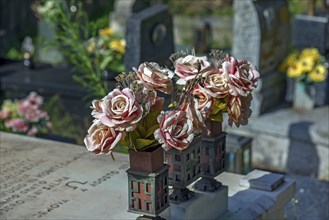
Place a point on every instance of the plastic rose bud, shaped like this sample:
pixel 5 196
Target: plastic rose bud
pixel 216 83
pixel 97 111
pixel 155 77
pixel 239 110
pixel 187 68
pixel 176 130
pixel 121 111
pixel 102 139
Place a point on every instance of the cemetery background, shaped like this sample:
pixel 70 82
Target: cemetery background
pixel 311 196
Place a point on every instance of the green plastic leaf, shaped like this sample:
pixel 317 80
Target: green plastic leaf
pixel 142 144
pixel 151 130
pixel 216 117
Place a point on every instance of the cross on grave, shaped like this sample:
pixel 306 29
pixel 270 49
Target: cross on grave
pixel 142 197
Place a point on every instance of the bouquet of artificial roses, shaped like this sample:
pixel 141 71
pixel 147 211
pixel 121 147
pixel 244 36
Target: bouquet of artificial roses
pixel 134 114
pixel 24 116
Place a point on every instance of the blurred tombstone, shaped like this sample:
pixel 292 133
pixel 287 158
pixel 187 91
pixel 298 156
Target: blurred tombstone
pixel 312 29
pixel 202 37
pixel 122 11
pixel 149 37
pixel 46 54
pixel 260 35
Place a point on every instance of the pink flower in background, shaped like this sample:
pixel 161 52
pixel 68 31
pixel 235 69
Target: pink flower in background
pixel 176 130
pixel 155 77
pixel 4 114
pixel 188 67
pixel 32 131
pixel 101 139
pixel 24 115
pixel 17 124
pixel 121 111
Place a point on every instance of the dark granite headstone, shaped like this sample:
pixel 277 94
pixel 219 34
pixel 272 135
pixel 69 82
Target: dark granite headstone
pixel 260 35
pixel 311 31
pixel 149 37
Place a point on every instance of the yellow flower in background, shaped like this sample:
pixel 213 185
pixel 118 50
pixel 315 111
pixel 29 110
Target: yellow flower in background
pixel 91 47
pixel 289 61
pixel 118 45
pixel 295 71
pixel 311 53
pixel 105 32
pixel 319 73
pixel 307 63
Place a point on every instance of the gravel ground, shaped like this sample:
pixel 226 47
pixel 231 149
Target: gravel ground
pixel 311 200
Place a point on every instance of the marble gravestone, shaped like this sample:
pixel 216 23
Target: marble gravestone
pixel 260 35
pixel 149 37
pixel 42 179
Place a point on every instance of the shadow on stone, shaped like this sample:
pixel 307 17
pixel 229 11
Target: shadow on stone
pixel 303 158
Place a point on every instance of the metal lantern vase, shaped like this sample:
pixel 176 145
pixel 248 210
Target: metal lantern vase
pixel 184 169
pixel 212 157
pixel 148 183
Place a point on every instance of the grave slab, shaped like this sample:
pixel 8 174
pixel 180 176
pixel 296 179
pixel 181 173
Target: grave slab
pixel 42 179
pixel 286 138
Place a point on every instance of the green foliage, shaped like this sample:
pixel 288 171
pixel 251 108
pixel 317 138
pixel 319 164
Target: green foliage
pixel 14 54
pixel 73 30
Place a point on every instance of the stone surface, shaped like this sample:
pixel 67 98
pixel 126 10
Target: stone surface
pixel 149 37
pixel 262 180
pixel 216 203
pixel 44 179
pixel 284 139
pixel 246 203
pixel 51 180
pixel 310 201
pixel 260 31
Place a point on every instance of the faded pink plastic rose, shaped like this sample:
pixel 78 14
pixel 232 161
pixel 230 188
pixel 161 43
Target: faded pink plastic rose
pixel 155 77
pixel 243 76
pixel 188 67
pixel 216 83
pixel 121 111
pixel 102 139
pixel 239 110
pixel 176 130
pixel 203 101
pixel 189 106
